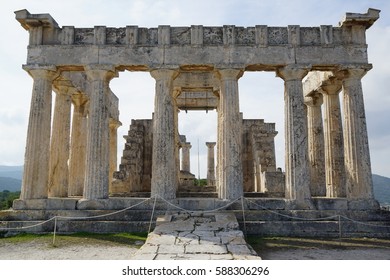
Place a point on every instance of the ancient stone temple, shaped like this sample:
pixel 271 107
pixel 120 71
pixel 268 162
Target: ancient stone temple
pixel 73 165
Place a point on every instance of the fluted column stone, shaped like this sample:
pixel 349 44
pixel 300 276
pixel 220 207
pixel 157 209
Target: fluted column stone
pixel 36 159
pixel 231 176
pixel 316 144
pixel 185 157
pixel 357 156
pixel 164 165
pixel 334 147
pixel 296 138
pixel 60 137
pixel 210 164
pixel 78 144
pixel 96 184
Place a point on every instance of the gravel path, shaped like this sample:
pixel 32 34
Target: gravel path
pixel 42 249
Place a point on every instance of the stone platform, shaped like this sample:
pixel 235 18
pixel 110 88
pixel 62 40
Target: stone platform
pixel 196 237
pixel 261 216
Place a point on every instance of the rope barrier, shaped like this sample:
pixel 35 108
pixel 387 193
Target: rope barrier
pixel 243 216
pixel 151 217
pixel 292 217
pixel 55 218
pixel 199 211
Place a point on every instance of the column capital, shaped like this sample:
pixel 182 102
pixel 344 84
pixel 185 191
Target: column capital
pixel 331 86
pixel 229 74
pixel 113 123
pixel 164 74
pixel 315 99
pixel 186 145
pixel 49 72
pixel 210 145
pixel 293 72
pixel 64 87
pixel 100 72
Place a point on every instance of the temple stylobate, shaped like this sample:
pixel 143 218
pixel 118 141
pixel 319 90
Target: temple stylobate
pixel 196 68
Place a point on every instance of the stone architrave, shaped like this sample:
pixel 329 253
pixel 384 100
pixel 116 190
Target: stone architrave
pixel 59 148
pixel 36 160
pixel 334 149
pixel 230 135
pixel 357 156
pixel 316 144
pixel 210 163
pixel 185 159
pixel 78 146
pixel 164 171
pixel 297 160
pixel 97 154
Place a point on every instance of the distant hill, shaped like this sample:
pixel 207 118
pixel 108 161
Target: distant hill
pixel 11 171
pixel 381 189
pixel 11 179
pixel 10 184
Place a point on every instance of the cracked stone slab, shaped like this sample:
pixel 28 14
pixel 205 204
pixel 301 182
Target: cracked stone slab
pixel 233 240
pixel 156 239
pixel 170 249
pixel 210 240
pixel 187 239
pixel 206 249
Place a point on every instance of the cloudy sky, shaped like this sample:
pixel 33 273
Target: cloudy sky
pixel 261 94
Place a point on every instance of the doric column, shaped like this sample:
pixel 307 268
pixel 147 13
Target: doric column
pixel 78 146
pixel 231 184
pixel 36 159
pixel 357 156
pixel 185 156
pixel 297 160
pixel 316 144
pixel 334 149
pixel 60 137
pixel 210 164
pixel 164 165
pixel 114 125
pixel 97 154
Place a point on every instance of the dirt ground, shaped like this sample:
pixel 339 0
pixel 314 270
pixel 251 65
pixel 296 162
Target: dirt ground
pixel 93 248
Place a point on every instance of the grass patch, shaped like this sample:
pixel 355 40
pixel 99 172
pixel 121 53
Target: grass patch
pixel 84 238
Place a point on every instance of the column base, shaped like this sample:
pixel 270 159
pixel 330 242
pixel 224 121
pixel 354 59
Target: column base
pixel 45 204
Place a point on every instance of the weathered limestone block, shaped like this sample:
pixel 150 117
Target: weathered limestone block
pixel 36 159
pixel 273 183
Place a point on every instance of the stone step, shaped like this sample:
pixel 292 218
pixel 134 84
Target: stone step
pixel 197 189
pixel 198 194
pixel 372 229
pixel 377 229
